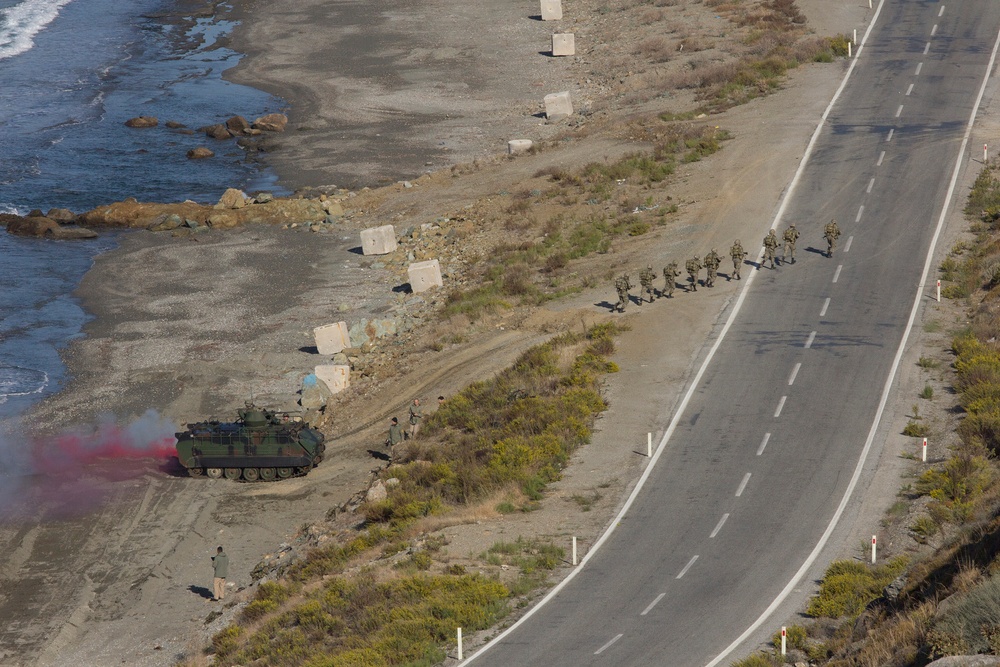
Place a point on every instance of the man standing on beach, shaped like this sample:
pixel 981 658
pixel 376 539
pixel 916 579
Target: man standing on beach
pixel 220 564
pixel 416 414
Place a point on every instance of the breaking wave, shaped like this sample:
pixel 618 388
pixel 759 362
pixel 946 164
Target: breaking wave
pixel 19 24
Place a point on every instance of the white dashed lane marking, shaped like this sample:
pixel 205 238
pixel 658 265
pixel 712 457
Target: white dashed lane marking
pixel 861 210
pixel 739 491
pixel 941 13
pixel 871 184
pixel 927 47
pixel 718 526
pixel 826 304
pixel 899 111
pixel 920 66
pixel 653 603
pixel 777 413
pixel 606 646
pixel 836 274
pixel 809 341
pixel 892 130
pixel 763 444
pixel 847 246
pixel 934 30
pixel 795 371
pixel 909 90
pixel 687 567
pixel 881 156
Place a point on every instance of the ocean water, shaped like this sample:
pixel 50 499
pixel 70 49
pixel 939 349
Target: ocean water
pixel 71 73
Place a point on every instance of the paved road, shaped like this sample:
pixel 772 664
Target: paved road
pixel 771 437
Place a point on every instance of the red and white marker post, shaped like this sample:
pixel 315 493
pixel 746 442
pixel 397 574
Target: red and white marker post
pixel 939 291
pixel 923 452
pixel 783 638
pixel 873 549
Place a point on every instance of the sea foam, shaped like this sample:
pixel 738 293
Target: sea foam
pixel 19 24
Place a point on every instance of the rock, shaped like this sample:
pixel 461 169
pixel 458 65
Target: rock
pixel 967 661
pixel 332 208
pixel 263 198
pixel 35 213
pixel 174 125
pixel 191 224
pixel 31 226
pixel 272 122
pixel 217 131
pixel 892 591
pixel 70 233
pixel 558 105
pixel 199 153
pixel 237 125
pixel 142 121
pixel 376 493
pixel 166 223
pixel 61 215
pixel 392 481
pixel 222 220
pixel 365 332
pixel 232 199
pixel 314 393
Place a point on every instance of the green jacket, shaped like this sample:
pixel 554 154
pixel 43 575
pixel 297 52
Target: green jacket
pixel 220 563
pixel 395 434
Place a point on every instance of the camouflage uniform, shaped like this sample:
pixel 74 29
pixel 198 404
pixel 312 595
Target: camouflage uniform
pixel 623 285
pixel 738 255
pixel 670 275
pixel 646 278
pixel 770 246
pixel 791 235
pixel 693 266
pixel 712 263
pixel 831 233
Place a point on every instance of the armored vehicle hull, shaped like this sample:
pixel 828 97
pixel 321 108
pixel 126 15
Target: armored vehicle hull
pixel 260 445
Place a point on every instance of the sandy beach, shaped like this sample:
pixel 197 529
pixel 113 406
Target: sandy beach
pixel 193 326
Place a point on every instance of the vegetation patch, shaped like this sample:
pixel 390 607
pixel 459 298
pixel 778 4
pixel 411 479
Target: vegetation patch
pixel 848 586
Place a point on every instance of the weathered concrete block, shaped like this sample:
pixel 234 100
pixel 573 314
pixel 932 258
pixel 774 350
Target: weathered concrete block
pixel 515 146
pixel 558 105
pixel 425 275
pixel 378 240
pixel 563 44
pixel 551 10
pixel 336 377
pixel 332 338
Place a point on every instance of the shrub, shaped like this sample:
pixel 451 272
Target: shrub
pixel 964 625
pixel 848 586
pixel 760 660
pixel 915 429
pixel 795 637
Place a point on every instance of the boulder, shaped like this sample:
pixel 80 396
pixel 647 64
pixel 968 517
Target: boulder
pixel 333 208
pixel 61 215
pixel 314 393
pixel 174 125
pixel 272 122
pixel 263 198
pixel 237 125
pixel 166 223
pixel 232 199
pixel 217 131
pixel 70 233
pixel 377 492
pixel 223 220
pixel 33 226
pixel 142 121
pixel 199 153
pixel 35 213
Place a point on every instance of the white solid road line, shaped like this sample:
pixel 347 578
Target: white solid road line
pixel 781 404
pixel 847 246
pixel 715 532
pixel 809 341
pixel 763 444
pixel 881 156
pixel 909 90
pixel 836 274
pixel 920 66
pixel 826 304
pixel 861 210
pixel 613 640
pixel 899 110
pixel 795 371
pixel 743 485
pixel 653 603
pixel 687 567
pixel 871 184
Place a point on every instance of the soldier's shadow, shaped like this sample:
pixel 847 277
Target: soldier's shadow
pixel 606 304
pixel 818 251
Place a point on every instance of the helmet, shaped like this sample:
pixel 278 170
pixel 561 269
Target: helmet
pixel 737 242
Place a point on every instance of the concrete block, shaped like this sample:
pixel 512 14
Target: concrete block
pixel 425 275
pixel 378 240
pixel 551 10
pixel 563 44
pixel 515 146
pixel 336 377
pixel 558 105
pixel 332 338
pixel 314 393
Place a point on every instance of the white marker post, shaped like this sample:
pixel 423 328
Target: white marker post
pixel 460 657
pixel 574 550
pixel 984 152
pixel 849 50
pixel 939 291
pixel 873 549
pixel 869 4
pixel 649 445
pixel 923 453
pixel 855 35
pixel 783 638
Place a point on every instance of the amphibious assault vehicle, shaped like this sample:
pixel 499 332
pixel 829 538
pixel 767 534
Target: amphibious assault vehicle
pixel 260 445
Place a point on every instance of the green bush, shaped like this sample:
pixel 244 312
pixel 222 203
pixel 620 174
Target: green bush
pixel 760 660
pixel 848 586
pixel 962 627
pixel 915 429
pixel 795 637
